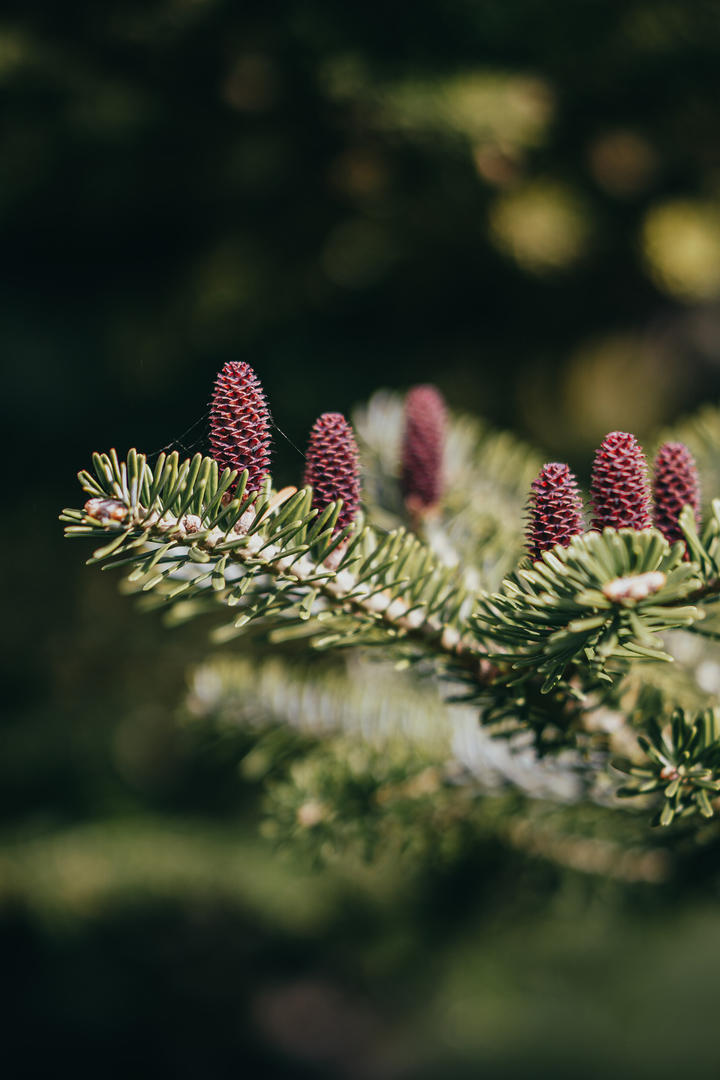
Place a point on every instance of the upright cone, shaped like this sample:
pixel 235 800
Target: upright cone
pixel 240 423
pixel 555 509
pixel 423 448
pixel 620 489
pixel 675 485
pixel 332 466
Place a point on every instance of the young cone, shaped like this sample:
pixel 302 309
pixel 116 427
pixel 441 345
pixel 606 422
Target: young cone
pixel 555 510
pixel 240 423
pixel 422 448
pixel 675 485
pixel 332 466
pixel 620 490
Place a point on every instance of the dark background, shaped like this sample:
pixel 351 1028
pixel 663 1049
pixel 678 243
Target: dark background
pixel 517 201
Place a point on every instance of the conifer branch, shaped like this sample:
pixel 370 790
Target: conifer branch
pixel 184 541
pixel 542 652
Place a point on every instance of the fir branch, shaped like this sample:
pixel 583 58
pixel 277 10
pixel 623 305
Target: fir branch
pixel 682 766
pixel 602 599
pixel 545 655
pixel 185 539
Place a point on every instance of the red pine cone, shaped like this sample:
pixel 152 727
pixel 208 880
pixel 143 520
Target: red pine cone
pixel 423 446
pixel 675 484
pixel 555 509
pixel 620 490
pixel 240 423
pixel 332 466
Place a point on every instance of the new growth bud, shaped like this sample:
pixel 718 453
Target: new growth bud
pixel 332 466
pixel 620 489
pixel 555 510
pixel 675 485
pixel 422 448
pixel 240 423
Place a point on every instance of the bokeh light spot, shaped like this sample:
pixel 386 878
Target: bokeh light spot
pixel 681 246
pixel 542 225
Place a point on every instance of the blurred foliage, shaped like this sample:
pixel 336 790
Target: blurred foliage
pixel 518 202
pixel 347 200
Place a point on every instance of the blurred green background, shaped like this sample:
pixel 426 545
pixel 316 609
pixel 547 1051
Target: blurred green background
pixel 518 201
